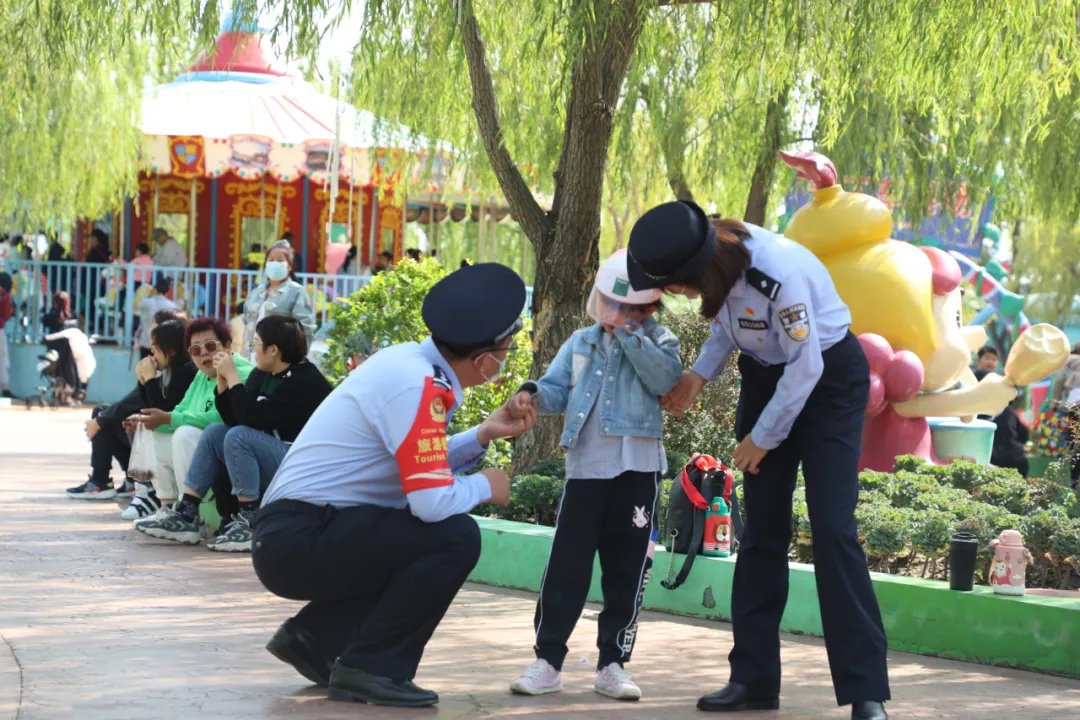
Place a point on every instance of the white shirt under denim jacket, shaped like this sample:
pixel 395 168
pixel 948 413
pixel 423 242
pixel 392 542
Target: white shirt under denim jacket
pixel 609 387
pixel 288 298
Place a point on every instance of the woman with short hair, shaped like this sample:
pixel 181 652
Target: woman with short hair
pixel 278 294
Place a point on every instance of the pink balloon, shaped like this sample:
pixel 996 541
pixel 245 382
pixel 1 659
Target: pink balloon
pixel 877 402
pixel 877 350
pixel 904 376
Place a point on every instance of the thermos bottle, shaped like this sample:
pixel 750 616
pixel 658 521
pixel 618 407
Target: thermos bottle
pixel 963 551
pixel 717 541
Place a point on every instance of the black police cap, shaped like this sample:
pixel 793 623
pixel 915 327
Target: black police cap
pixel 475 307
pixel 668 244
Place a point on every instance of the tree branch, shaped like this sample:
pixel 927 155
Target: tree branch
pixel 527 211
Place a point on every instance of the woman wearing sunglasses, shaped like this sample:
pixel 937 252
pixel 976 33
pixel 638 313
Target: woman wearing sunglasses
pixel 177 433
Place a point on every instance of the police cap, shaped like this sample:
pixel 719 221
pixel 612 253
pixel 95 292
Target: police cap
pixel 475 307
pixel 668 244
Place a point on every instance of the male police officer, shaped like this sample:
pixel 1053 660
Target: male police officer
pixel 366 518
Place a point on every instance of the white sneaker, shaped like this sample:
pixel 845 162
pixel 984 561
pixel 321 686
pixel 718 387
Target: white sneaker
pixel 540 678
pixel 141 506
pixel 614 682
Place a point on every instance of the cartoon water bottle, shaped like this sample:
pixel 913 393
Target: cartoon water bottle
pixel 1010 563
pixel 717 541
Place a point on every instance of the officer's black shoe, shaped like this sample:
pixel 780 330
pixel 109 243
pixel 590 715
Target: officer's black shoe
pixel 734 697
pixel 293 645
pixel 869 710
pixel 350 684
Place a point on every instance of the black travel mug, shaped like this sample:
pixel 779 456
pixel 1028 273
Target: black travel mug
pixel 963 551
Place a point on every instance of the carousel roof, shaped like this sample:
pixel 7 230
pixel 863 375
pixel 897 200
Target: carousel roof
pixel 236 108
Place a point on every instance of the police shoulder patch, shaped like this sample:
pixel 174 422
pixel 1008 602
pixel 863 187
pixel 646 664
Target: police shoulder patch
pixel 795 322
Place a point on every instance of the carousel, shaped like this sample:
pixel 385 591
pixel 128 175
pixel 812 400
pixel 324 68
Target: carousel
pixel 238 152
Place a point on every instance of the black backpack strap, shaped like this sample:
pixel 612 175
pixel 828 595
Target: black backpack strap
pixel 696 535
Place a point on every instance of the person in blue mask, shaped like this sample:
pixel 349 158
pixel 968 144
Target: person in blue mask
pixel 805 385
pixel 277 294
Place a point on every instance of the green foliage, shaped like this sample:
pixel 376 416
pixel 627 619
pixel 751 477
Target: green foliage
pixel 387 311
pixel 709 426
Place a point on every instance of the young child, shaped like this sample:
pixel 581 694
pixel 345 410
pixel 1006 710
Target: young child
pixel 607 379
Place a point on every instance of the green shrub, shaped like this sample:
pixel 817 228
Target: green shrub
pixel 386 312
pixel 709 426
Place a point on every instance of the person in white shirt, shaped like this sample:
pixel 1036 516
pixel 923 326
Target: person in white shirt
pixel 169 253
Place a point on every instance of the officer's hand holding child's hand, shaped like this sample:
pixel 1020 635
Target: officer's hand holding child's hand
pixel 506 423
pixel 748 456
pixel 522 403
pixel 500 486
pixel 682 396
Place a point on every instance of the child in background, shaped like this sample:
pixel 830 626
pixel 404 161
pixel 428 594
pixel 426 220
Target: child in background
pixel 607 379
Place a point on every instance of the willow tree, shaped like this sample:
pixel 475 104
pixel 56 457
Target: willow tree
pixel 530 97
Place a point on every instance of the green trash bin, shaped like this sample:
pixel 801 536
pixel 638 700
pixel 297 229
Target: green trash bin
pixel 957 440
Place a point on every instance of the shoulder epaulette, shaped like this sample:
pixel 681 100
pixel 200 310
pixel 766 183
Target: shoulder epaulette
pixel 440 378
pixel 767 286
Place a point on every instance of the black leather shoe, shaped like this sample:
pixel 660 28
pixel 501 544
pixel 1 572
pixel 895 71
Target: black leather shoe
pixel 350 684
pixel 868 710
pixel 293 645
pixel 734 697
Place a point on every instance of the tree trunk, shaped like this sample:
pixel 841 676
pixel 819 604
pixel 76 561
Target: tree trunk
pixel 765 168
pixel 567 239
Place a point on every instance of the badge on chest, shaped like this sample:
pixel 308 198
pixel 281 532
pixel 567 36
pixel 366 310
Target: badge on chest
pixel 795 322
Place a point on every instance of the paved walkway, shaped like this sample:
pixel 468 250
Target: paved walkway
pixel 99 622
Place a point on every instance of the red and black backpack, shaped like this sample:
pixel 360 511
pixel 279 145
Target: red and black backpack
pixel 701 479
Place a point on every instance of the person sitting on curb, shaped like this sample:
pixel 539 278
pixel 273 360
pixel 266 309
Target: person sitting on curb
pixel 105 428
pixel 262 418
pixel 176 434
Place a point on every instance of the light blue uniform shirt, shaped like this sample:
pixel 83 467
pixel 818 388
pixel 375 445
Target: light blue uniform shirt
pixel 346 454
pixel 783 310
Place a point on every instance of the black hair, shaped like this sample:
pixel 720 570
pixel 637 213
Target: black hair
pixel 170 338
pixel 163 284
pixel 987 350
pixel 99 236
pixel 386 254
pixel 5 281
pixel 287 334
pixel 163 316
pixel 143 248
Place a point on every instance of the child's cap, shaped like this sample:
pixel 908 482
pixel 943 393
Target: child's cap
pixel 613 281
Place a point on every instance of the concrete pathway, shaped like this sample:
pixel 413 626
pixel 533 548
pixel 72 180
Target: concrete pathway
pixel 99 622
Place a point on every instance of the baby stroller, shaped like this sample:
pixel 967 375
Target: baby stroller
pixel 65 368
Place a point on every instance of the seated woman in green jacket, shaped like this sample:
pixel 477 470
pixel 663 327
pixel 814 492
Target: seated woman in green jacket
pixel 262 418
pixel 176 434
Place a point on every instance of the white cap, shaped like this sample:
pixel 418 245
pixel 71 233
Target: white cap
pixel 613 281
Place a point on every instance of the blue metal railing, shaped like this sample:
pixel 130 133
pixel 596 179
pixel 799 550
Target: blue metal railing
pixel 105 297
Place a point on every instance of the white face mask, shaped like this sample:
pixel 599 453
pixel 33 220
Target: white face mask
pixel 502 366
pixel 277 270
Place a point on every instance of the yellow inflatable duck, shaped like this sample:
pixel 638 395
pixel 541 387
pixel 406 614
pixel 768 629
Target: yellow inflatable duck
pixel 905 305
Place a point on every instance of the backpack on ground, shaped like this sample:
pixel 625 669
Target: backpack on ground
pixel 701 479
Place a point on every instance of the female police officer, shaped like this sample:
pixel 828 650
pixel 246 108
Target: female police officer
pixel 805 384
pixel 365 518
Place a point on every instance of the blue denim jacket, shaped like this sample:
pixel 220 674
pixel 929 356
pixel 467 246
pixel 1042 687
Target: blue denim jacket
pixel 644 365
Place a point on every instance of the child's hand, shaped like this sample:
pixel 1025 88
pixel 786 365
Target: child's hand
pixel 522 404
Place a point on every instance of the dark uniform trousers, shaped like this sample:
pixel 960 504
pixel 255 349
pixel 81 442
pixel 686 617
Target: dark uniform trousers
pixel 378 580
pixel 616 517
pixel 826 439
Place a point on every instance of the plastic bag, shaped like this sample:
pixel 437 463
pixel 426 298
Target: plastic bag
pixel 143 456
